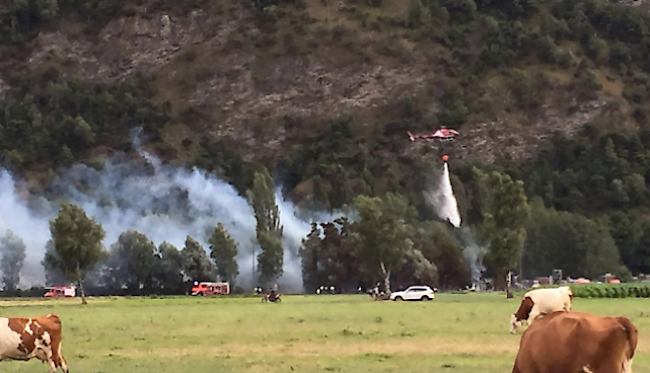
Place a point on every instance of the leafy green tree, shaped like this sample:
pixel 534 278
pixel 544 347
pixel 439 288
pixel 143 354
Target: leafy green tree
pixel 196 264
pixel 627 235
pixel 131 261
pixel 579 246
pixel 418 15
pixel 269 230
pixel 168 269
pixel 83 132
pixel 77 243
pixel 435 242
pixel 384 233
pixel 336 262
pixel 309 258
pixel 505 213
pixel 641 256
pixel 223 252
pixel 12 249
pixel 53 275
pixel 417 269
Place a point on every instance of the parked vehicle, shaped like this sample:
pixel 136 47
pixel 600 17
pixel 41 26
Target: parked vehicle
pixel 211 288
pixel 419 292
pixel 61 292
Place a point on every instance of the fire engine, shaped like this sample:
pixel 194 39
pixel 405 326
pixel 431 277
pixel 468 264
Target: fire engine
pixel 211 288
pixel 60 292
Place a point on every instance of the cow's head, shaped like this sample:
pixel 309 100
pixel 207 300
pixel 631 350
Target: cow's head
pixel 514 324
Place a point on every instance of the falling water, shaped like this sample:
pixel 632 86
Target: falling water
pixel 444 202
pixel 443 199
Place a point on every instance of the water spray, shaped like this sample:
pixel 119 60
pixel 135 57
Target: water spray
pixel 445 204
pixel 443 199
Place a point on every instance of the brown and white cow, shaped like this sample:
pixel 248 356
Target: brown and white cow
pixel 540 302
pixel 577 342
pixel 23 338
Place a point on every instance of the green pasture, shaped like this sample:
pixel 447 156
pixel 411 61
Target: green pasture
pixel 465 333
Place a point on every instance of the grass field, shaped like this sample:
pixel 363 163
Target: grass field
pixel 347 333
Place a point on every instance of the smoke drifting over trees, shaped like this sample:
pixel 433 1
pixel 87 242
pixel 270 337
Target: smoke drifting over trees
pixel 148 213
pixel 223 250
pixel 12 249
pixel 166 204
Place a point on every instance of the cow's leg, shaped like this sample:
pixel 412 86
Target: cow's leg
pixel 52 366
pixel 61 360
pixel 46 357
pixel 50 360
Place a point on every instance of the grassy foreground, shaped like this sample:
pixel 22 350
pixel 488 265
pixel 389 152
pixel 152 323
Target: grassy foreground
pixel 453 333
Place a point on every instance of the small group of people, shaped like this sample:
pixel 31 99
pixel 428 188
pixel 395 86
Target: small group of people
pixel 376 294
pixel 272 295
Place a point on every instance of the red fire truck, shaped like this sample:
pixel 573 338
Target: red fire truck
pixel 61 292
pixel 211 288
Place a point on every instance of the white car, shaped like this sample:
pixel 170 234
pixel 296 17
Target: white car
pixel 414 293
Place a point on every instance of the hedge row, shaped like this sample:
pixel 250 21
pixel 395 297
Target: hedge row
pixel 629 290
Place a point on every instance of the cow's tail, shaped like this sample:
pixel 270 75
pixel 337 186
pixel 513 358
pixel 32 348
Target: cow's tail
pixel 632 334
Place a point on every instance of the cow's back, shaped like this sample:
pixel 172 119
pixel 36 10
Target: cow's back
pixel 548 300
pixel 567 342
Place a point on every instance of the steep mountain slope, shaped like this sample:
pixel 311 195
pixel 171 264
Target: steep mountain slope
pixel 230 83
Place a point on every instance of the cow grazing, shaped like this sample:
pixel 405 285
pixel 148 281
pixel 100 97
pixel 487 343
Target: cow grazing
pixel 577 342
pixel 540 302
pixel 23 338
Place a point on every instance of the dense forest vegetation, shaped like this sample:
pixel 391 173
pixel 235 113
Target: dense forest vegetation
pixel 584 198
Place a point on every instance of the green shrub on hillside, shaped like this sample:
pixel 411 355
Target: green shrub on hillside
pixel 52 120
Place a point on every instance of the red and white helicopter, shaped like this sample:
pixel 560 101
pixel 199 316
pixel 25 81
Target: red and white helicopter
pixel 442 134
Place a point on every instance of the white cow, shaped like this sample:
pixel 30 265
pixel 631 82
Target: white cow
pixel 540 302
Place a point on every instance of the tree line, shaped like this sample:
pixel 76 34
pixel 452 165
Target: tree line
pixel 133 264
pixel 381 240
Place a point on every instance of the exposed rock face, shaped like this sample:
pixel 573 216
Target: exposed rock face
pixel 487 141
pixel 250 97
pixel 125 46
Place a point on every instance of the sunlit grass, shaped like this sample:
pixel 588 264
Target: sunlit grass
pixel 459 333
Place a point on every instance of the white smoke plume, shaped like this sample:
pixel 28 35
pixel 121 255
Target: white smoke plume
pixel 31 226
pixel 473 254
pixel 165 203
pixel 441 197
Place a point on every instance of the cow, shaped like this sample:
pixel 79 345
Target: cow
pixel 577 342
pixel 23 338
pixel 539 302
